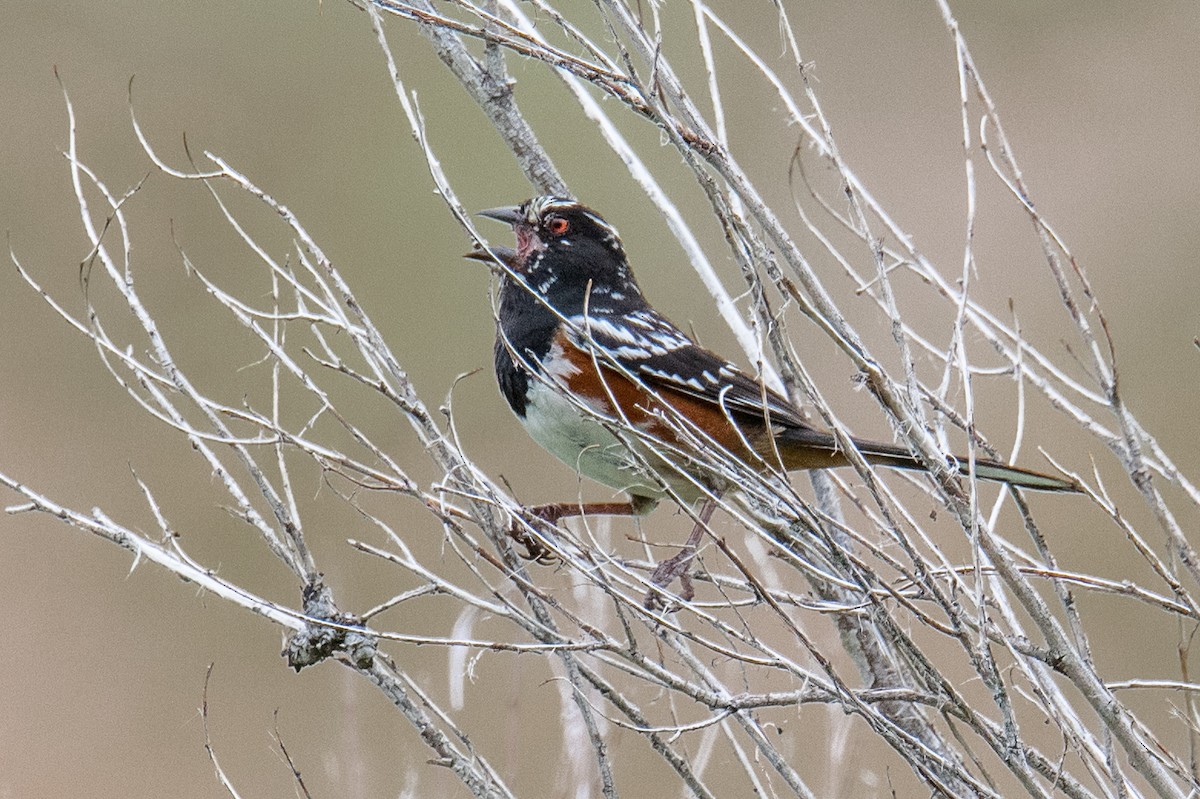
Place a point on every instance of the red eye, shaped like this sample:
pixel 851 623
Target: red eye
pixel 557 225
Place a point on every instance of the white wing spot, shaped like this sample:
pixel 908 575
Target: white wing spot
pixel 668 376
pixel 605 326
pixel 629 336
pixel 557 365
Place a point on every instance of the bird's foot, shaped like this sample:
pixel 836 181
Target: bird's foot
pixel 536 550
pixel 657 599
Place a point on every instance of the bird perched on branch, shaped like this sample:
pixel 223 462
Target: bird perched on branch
pixel 613 389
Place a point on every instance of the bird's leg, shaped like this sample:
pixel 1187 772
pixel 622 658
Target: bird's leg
pixel 551 514
pixel 677 565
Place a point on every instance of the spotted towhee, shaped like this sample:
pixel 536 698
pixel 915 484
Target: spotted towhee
pixel 615 390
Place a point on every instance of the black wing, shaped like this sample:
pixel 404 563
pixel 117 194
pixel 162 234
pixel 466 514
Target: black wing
pixel 654 349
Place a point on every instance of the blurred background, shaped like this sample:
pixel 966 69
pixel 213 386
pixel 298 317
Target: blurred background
pixel 103 667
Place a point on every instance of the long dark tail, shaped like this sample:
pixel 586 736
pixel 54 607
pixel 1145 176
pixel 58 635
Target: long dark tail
pixel 985 469
pixel 813 449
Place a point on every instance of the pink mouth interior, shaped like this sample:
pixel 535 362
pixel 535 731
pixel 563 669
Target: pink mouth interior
pixel 527 242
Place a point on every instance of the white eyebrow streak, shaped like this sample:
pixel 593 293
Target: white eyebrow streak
pixel 540 205
pixel 611 232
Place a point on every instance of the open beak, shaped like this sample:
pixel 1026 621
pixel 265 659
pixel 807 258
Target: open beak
pixel 511 214
pixel 505 255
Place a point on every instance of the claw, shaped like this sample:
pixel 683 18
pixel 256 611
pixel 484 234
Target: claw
pixel 535 550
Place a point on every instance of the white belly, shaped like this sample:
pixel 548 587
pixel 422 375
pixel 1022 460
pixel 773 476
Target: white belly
pixel 586 446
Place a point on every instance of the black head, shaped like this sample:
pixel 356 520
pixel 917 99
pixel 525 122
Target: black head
pixel 567 253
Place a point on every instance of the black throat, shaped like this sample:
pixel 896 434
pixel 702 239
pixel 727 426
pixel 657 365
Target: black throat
pixel 524 335
pixel 527 327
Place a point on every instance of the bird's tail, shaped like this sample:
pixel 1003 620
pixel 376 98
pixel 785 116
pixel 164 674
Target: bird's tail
pixel 809 449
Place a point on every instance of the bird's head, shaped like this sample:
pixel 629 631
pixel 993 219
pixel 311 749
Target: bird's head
pixel 566 252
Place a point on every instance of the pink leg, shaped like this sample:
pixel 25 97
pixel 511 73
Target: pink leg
pixel 554 512
pixel 677 565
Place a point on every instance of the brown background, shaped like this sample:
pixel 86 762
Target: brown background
pixel 101 669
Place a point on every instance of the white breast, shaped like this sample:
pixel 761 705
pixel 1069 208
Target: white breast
pixel 583 443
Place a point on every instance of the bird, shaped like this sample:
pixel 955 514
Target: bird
pixel 612 388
